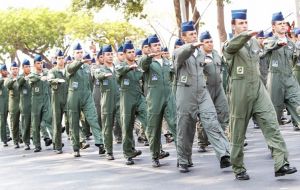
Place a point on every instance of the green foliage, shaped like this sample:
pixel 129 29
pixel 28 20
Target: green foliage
pixel 130 8
pixel 31 30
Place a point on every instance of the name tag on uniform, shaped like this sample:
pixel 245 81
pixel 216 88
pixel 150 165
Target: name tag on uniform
pixel 183 79
pixel 75 85
pixel 55 86
pixel 97 82
pixel 126 82
pixel 240 70
pixel 25 91
pixel 36 89
pixel 105 82
pixel 154 77
pixel 274 63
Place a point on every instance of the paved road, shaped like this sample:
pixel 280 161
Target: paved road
pixel 20 169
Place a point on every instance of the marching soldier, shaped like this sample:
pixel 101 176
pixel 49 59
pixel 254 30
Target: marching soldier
pixel 59 93
pixel 194 102
pixel 4 105
pixel 40 105
pixel 80 99
pixel 25 103
pixel 110 98
pixel 242 57
pixel 13 103
pixel 132 101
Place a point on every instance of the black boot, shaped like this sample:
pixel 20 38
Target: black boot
pixel 242 176
pixel 101 149
pixel 129 161
pixel 110 156
pixel 163 154
pixel 183 168
pixel 286 169
pixel 76 154
pixel 48 141
pixel 37 149
pixel 5 144
pixel 27 147
pixel 225 162
pixel 155 163
pixel 17 145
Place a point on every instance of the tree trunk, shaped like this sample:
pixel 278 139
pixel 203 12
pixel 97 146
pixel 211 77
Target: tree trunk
pixel 177 14
pixel 221 25
pixel 196 14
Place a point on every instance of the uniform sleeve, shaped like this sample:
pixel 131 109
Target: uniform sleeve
pixel 182 54
pixel 33 78
pixel 100 74
pixel 1 82
pixel 21 81
pixel 236 43
pixel 52 77
pixel 145 62
pixel 271 44
pixel 9 83
pixel 73 67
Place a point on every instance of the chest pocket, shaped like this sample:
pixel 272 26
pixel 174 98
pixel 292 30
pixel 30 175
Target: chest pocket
pixel 36 90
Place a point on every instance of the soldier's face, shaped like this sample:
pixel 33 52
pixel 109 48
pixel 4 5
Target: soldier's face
pixel 260 40
pixel 166 55
pixel 100 59
pixel 4 73
pixel 14 71
pixel 240 26
pixel 38 65
pixel 130 55
pixel 60 61
pixel 208 45
pixel 146 49
pixel 155 48
pixel 190 36
pixel 108 57
pixel 280 27
pixel 26 69
pixel 177 46
pixel 120 56
pixel 78 54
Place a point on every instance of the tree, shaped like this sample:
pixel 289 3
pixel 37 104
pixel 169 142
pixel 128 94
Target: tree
pixel 221 25
pixel 32 31
pixel 130 8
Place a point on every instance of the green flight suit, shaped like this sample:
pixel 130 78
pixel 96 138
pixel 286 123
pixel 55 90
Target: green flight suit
pixel 13 107
pixel 3 110
pixel 97 94
pixel 296 66
pixel 25 107
pixel 193 101
pixel 132 104
pixel 282 84
pixel 80 99
pixel 213 72
pixel 40 108
pixel 160 101
pixel 110 104
pixel 59 93
pixel 248 97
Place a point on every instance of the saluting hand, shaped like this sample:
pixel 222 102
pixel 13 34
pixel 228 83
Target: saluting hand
pixel 197 44
pixel 108 75
pixel 252 33
pixel 133 66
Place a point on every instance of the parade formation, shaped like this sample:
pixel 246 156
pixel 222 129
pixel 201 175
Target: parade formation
pixel 149 93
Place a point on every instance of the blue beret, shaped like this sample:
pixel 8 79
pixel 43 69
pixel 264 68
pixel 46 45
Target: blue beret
pixel 26 62
pixel 145 42
pixel 239 14
pixel 297 31
pixel 44 66
pixel 68 58
pixel 3 67
pixel 106 48
pixel 205 35
pixel 120 49
pixel 99 52
pixel 230 36
pixel 59 53
pixel 77 46
pixel 277 17
pixel 37 58
pixel 164 49
pixel 260 34
pixel 187 26
pixel 14 64
pixel 179 42
pixel 93 60
pixel 54 62
pixel 269 34
pixel 153 39
pixel 128 45
pixel 87 56
pixel 138 52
